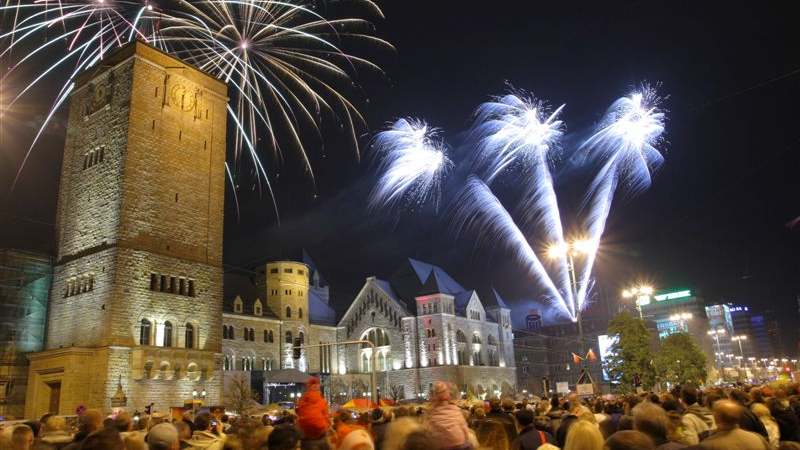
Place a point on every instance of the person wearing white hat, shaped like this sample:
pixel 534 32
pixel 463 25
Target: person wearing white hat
pixel 163 436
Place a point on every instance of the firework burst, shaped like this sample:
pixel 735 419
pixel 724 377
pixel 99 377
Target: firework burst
pixel 413 162
pixel 625 143
pixel 284 60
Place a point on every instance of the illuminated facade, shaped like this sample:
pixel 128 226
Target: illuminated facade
pixel 136 297
pixel 426 327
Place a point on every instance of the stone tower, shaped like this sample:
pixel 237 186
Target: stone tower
pixel 287 297
pixel 136 298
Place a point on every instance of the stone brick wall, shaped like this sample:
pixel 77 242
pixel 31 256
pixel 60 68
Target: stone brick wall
pixel 142 194
pixel 410 340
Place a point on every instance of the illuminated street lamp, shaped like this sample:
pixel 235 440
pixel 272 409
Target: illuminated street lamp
pixel 570 250
pixel 641 294
pixel 681 318
pixel 195 397
pixel 716 334
pixel 739 339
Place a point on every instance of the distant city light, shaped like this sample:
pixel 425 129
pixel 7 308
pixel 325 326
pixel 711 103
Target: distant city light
pixel 673 295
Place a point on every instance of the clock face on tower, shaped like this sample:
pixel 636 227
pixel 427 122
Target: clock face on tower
pixel 182 98
pixel 100 95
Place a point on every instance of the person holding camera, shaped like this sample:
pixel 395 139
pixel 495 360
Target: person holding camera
pixel 208 433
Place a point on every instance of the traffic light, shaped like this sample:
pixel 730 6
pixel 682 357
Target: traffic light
pixel 296 349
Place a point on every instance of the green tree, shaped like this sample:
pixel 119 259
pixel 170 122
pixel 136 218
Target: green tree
pixel 630 357
pixel 679 360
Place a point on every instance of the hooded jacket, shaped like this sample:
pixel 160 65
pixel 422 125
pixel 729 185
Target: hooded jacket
pixel 448 426
pixel 696 421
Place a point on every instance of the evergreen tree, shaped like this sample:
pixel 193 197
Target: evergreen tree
pixel 681 361
pixel 630 361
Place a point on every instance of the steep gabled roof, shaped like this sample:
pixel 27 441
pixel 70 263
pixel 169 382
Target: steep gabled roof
pixel 494 299
pixel 414 278
pixel 320 312
pixel 461 301
pixel 445 282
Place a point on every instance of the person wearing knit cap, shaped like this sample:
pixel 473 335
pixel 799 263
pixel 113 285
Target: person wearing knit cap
pixel 446 422
pixel 312 411
pixel 352 437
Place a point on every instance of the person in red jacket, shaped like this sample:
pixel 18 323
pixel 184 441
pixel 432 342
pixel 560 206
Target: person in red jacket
pixel 312 412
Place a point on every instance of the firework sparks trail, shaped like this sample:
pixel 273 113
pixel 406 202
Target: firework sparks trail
pixel 518 131
pixel 479 210
pixel 283 60
pixel 413 162
pixel 626 139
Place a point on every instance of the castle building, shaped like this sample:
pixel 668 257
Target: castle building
pixel 423 324
pixel 136 298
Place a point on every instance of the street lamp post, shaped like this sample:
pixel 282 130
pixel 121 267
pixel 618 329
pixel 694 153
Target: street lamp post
pixel 681 318
pixel 739 339
pixel 716 334
pixel 570 250
pixel 638 292
pixel 197 396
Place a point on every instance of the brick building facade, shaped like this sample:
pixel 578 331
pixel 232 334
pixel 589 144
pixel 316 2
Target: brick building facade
pixel 137 282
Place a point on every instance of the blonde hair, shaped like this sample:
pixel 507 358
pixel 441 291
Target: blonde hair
pixel 761 411
pixel 398 430
pixel 547 446
pixel 56 423
pixel 583 435
pixel 584 413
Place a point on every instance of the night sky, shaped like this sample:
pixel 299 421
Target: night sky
pixel 714 220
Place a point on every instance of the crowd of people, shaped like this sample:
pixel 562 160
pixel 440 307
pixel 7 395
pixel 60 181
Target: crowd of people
pixel 745 418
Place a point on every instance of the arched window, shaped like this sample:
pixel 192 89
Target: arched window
pixel 252 334
pixel 266 336
pixel 271 337
pixel 492 340
pixel 189 338
pixel 288 337
pixel 224 332
pixel 302 338
pixel 144 332
pixel 300 313
pixel 231 333
pixel 476 339
pixel 288 312
pixel 381 363
pixel 168 334
pixel 365 368
pixel 461 337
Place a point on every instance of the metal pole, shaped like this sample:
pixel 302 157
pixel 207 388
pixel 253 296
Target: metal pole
pixel 575 299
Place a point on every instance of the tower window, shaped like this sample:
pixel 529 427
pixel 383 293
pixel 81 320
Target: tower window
pixel 300 313
pixel 273 270
pixel 144 332
pixel 252 334
pixel 189 337
pixel 287 270
pixel 288 337
pixel 168 334
pixel 288 312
